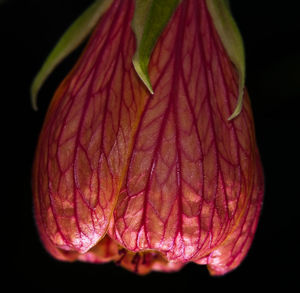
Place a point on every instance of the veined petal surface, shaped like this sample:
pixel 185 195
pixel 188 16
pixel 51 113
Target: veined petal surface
pixel 164 173
pixel 87 135
pixel 192 175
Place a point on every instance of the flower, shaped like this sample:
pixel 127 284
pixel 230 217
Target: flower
pixel 150 181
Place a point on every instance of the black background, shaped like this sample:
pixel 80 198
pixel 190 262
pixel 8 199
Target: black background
pixel 29 29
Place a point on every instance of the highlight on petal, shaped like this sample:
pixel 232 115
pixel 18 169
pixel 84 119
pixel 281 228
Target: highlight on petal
pixel 150 18
pixel 232 42
pixel 69 41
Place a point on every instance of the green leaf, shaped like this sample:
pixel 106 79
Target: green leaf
pixel 150 18
pixel 232 41
pixel 69 41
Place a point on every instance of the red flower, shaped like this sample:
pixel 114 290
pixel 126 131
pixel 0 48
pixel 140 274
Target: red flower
pixel 151 182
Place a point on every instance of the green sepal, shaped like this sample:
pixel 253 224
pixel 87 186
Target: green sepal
pixel 150 18
pixel 232 42
pixel 69 41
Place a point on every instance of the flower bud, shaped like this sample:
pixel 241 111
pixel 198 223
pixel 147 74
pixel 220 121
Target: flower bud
pixel 137 161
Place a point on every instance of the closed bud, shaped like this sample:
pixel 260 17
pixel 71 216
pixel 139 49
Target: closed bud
pixel 147 156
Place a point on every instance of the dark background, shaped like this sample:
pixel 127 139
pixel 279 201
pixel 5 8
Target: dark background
pixel 29 29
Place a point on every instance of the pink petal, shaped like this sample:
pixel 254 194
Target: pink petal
pixel 83 149
pixel 192 174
